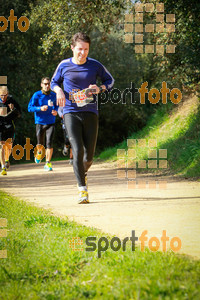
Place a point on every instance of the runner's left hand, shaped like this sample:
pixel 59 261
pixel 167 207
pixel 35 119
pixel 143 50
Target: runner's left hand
pixel 54 113
pixel 94 87
pixel 11 105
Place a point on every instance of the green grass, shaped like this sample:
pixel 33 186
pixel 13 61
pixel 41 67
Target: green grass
pixel 41 265
pixel 176 130
pixel 31 160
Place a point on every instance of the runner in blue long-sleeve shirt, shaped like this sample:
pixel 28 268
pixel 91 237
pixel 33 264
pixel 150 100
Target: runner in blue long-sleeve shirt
pixel 77 73
pixel 43 104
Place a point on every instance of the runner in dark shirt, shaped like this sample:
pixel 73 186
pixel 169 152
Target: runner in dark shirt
pixel 9 112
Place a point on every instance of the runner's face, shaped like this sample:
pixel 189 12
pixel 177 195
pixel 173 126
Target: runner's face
pixel 80 52
pixel 3 96
pixel 45 85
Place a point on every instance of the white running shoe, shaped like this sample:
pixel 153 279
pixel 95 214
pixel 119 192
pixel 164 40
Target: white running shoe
pixel 48 167
pixel 83 197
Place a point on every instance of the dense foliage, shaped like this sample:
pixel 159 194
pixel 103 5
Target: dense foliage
pixel 26 57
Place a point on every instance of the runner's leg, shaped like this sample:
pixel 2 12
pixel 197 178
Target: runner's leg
pixel 74 127
pixel 90 132
pixel 50 129
pixel 2 154
pixel 8 148
pixel 66 147
pixel 82 132
pixel 6 138
pixel 40 131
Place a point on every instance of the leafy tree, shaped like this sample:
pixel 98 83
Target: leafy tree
pixel 26 57
pixel 61 19
pixel 181 69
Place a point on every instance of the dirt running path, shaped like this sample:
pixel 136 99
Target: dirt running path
pixel 114 208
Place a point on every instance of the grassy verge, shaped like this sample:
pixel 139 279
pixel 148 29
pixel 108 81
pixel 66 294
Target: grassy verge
pixel 176 130
pixel 32 159
pixel 41 265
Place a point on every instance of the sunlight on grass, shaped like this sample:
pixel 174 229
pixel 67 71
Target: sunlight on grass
pixel 41 265
pixel 178 133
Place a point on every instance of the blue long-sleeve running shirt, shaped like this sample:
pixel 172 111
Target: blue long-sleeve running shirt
pixel 39 99
pixel 78 77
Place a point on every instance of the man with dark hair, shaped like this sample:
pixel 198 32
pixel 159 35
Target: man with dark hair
pixel 9 112
pixel 76 74
pixel 43 104
pixel 80 36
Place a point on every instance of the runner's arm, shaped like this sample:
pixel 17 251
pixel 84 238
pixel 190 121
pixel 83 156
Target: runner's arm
pixel 17 106
pixel 106 77
pixel 56 82
pixel 11 116
pixel 15 110
pixel 33 105
pixel 98 89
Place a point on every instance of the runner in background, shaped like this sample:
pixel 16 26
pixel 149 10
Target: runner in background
pixel 67 150
pixel 43 104
pixel 77 73
pixel 9 112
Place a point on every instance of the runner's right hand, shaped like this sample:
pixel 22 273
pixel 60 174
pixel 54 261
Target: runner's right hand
pixel 44 108
pixel 60 96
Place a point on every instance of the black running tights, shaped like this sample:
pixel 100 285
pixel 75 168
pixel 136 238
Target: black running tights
pixel 82 130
